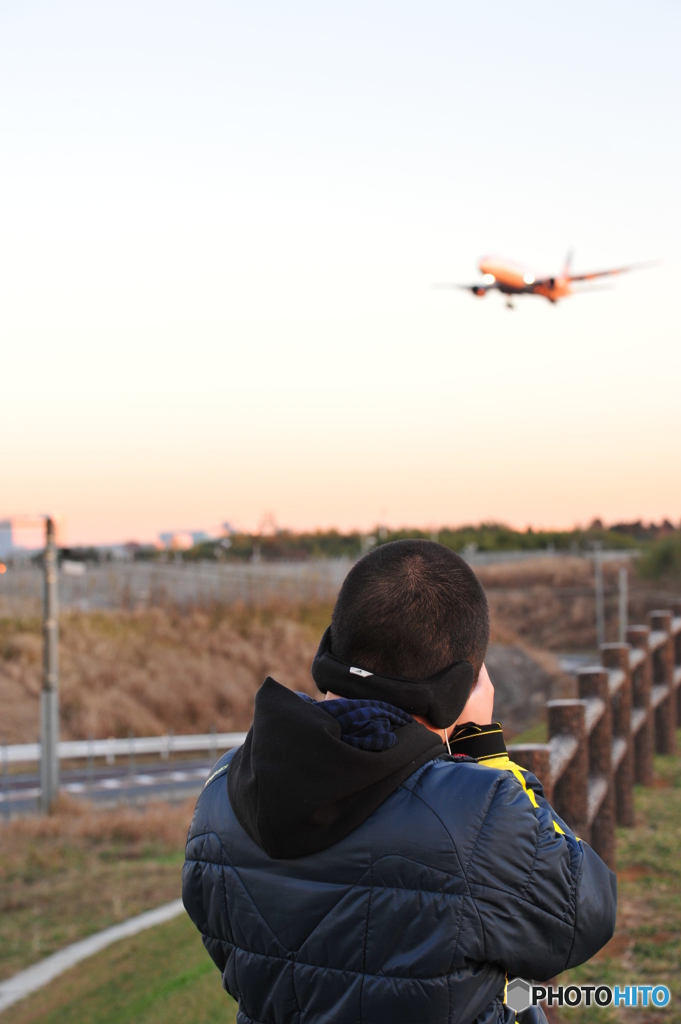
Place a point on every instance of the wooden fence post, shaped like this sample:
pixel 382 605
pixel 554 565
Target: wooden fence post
pixel 567 734
pixel 641 718
pixel 676 630
pixel 616 658
pixel 594 688
pixel 603 741
pixel 536 758
pixel 662 694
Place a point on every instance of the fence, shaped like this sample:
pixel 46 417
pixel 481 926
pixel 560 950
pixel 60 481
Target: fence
pixel 111 748
pixel 194 584
pixel 188 584
pixel 604 741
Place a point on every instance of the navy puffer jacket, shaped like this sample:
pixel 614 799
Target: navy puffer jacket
pixel 416 916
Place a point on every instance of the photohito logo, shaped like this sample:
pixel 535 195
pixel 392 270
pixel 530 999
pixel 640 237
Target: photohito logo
pixel 521 994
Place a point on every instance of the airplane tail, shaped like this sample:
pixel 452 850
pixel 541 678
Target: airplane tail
pixel 568 263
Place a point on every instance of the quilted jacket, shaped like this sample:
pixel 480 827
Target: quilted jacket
pixel 461 878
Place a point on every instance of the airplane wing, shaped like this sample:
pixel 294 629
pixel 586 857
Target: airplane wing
pixel 476 289
pixel 608 273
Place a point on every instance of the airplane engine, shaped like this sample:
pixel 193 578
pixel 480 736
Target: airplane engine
pixel 480 292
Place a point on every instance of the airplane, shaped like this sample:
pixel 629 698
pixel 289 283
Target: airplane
pixel 512 279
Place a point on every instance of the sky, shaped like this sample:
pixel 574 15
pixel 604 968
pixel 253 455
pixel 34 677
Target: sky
pixel 220 224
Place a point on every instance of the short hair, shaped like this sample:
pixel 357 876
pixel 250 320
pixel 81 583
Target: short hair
pixel 410 608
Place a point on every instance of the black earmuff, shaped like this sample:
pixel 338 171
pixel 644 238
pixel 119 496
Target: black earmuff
pixel 440 698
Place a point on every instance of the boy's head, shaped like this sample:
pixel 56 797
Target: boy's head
pixel 410 608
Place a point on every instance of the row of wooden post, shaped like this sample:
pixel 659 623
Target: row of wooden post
pixel 604 740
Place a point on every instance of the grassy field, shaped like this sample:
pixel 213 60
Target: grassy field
pixel 166 975
pixel 163 976
pixel 79 871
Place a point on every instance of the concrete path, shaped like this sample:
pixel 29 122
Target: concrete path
pixel 33 978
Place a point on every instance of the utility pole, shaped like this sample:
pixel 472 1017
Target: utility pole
pixel 624 602
pixel 49 697
pixel 600 597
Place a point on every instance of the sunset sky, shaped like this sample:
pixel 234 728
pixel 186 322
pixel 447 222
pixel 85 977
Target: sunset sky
pixel 220 224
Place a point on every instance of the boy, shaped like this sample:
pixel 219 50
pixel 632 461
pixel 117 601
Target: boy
pixel 342 866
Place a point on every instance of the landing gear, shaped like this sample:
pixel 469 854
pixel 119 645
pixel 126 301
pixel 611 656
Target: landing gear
pixel 509 304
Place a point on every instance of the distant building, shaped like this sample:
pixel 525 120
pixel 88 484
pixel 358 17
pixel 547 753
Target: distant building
pixel 183 540
pixel 200 536
pixel 21 536
pixel 178 540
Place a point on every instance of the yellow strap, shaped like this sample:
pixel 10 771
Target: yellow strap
pixel 504 762
pixel 215 774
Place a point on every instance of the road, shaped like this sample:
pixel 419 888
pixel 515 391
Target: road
pixel 109 784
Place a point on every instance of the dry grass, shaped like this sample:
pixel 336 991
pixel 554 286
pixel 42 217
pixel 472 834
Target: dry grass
pixel 549 604
pixel 160 669
pixel 79 870
pixel 156 670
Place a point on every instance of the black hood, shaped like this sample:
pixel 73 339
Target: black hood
pixel 297 788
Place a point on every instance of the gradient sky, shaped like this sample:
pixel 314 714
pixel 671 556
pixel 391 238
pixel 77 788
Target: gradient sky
pixel 219 227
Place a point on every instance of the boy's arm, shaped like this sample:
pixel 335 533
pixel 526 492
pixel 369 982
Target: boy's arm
pixel 545 900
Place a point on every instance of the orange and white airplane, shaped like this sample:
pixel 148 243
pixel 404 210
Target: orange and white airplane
pixel 513 279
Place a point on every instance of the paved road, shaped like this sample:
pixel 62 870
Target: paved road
pixel 112 784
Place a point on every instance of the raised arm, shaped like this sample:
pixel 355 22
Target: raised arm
pixel 545 900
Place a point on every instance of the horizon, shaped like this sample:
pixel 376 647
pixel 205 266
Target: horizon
pixel 274 529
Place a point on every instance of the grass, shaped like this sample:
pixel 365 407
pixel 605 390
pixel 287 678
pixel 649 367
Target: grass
pixel 79 871
pixel 162 976
pixel 156 670
pixel 662 560
pixel 537 733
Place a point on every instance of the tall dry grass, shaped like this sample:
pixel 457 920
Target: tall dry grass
pixel 77 823
pixel 156 670
pixel 549 604
pixel 160 669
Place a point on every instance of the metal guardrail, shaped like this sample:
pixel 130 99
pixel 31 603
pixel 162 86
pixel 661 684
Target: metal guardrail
pixel 164 746
pixel 604 741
